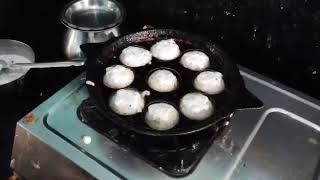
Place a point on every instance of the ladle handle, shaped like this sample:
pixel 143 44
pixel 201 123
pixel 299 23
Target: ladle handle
pixel 48 64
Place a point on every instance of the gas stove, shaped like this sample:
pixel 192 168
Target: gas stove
pixel 176 156
pixel 60 139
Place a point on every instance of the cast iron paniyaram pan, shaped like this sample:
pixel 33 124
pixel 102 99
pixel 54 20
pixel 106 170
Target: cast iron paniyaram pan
pixel 234 97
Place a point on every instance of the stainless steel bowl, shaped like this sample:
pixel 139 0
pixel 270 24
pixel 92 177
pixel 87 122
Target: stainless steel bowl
pixel 90 21
pixel 92 15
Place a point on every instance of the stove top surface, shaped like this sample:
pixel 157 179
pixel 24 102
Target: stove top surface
pixel 280 141
pixel 176 156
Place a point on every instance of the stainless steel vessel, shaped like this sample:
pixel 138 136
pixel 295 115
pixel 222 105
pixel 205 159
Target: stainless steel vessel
pixel 90 21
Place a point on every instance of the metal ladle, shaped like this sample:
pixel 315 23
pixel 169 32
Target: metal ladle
pixel 4 64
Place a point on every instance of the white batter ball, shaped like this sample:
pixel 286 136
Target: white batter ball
pixel 196 106
pixel 117 77
pixel 133 56
pixel 165 50
pixel 161 116
pixel 195 60
pixel 163 81
pixel 127 102
pixel 210 82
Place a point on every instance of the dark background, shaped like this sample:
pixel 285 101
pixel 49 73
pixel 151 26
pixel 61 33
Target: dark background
pixel 277 38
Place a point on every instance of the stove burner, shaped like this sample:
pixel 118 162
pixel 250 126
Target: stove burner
pixel 176 156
